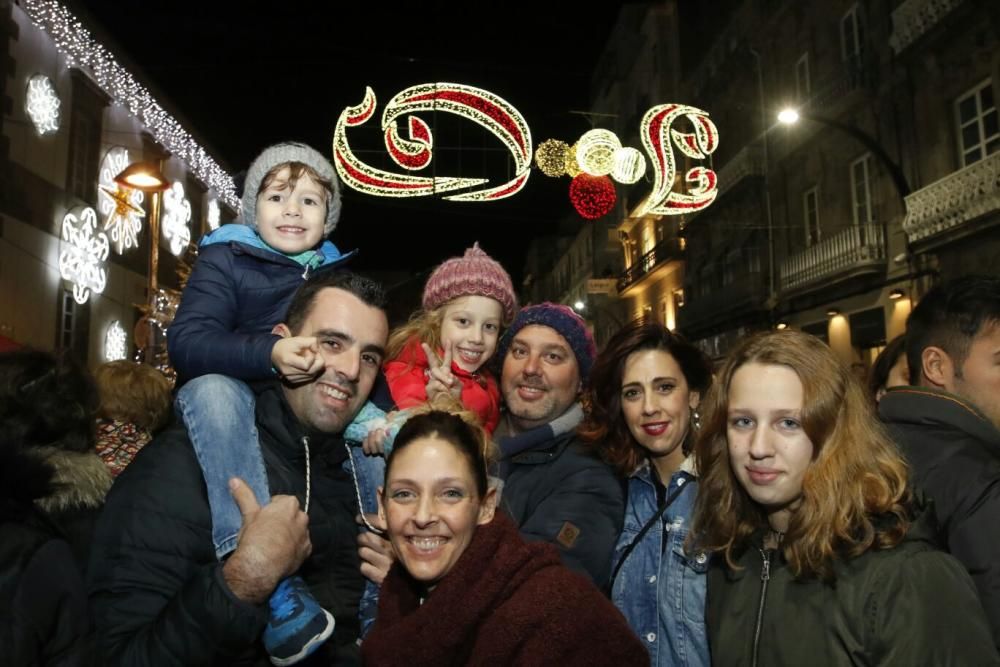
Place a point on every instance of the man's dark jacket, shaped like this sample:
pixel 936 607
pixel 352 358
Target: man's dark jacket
pixel 156 590
pixel 557 491
pixel 954 452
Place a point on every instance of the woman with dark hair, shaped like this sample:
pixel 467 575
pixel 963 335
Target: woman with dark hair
pixel 890 369
pixel 821 552
pixel 643 398
pixel 51 488
pixel 466 589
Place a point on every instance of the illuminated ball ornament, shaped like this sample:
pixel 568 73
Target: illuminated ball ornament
pixel 572 167
pixel 592 196
pixel 595 152
pixel 550 156
pixel 629 166
pixel 42 104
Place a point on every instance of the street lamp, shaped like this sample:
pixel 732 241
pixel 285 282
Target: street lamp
pixel 147 177
pixel 790 116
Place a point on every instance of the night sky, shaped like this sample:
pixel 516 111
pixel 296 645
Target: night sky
pixel 248 74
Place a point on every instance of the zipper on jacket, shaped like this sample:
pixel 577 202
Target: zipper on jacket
pixel 305 274
pixel 305 445
pixel 765 576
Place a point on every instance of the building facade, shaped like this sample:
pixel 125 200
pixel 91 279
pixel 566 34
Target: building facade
pixel 75 246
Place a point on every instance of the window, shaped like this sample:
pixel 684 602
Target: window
pixel 802 88
pixel 976 118
pixel 861 197
pixel 67 321
pixel 851 34
pixel 810 214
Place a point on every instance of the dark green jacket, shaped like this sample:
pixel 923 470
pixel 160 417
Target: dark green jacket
pixel 911 605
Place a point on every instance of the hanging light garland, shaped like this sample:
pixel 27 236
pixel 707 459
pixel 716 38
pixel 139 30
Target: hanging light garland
pixel 592 196
pixel 550 156
pixel 82 50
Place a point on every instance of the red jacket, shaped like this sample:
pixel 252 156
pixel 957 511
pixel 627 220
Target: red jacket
pixel 407 378
pixel 505 602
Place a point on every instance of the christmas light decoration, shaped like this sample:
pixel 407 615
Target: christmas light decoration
pixel 115 342
pixel 550 156
pixel 82 253
pixel 414 153
pixel 42 104
pixel 82 50
pixel 592 196
pixel 572 167
pixel 595 152
pixel 629 166
pixel 656 133
pixel 120 207
pixel 176 216
pixel 214 215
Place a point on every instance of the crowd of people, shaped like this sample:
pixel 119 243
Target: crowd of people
pixel 481 486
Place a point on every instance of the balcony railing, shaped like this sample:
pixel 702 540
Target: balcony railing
pixel 954 200
pixel 854 250
pixel 665 250
pixel 915 17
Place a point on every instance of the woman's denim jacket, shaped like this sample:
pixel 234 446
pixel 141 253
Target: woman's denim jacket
pixel 660 589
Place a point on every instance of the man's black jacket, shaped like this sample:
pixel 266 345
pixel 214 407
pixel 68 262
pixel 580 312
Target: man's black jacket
pixel 156 589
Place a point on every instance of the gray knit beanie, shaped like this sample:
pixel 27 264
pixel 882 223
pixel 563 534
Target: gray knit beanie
pixel 283 154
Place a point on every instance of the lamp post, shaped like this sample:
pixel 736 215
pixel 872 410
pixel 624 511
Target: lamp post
pixel 790 116
pixel 147 177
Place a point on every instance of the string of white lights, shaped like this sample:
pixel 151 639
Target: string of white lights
pixel 80 49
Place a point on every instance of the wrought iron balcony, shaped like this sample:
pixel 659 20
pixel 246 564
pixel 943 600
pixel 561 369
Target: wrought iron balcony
pixel 915 17
pixel 857 249
pixel 954 200
pixel 665 251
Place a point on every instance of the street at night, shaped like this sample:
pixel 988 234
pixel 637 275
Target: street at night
pixel 649 332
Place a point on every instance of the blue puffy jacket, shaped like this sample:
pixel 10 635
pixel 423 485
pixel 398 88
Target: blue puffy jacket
pixel 237 292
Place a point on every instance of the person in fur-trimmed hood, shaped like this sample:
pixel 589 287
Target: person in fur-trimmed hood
pixel 52 486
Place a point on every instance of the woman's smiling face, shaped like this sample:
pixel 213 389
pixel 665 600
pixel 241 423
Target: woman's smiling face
pixel 431 507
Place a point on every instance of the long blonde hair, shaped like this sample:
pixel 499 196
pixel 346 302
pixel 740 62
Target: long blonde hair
pixel 855 495
pixel 423 325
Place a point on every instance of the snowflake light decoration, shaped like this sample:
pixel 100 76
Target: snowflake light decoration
pixel 83 253
pixel 120 207
pixel 42 104
pixel 115 342
pixel 176 216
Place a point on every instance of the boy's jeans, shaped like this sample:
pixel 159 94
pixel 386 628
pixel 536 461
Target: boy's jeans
pixel 219 414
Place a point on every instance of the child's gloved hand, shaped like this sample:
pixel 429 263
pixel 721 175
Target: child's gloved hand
pixel 440 379
pixel 297 358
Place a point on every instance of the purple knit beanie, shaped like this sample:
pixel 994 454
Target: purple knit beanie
pixel 565 321
pixel 473 274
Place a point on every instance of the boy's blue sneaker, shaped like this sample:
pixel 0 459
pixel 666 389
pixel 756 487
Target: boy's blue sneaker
pixel 297 625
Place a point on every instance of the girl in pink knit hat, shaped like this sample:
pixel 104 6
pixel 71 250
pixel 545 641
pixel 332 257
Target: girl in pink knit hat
pixel 446 344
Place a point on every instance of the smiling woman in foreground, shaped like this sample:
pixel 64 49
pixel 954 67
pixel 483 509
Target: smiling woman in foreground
pixel 822 555
pixel 466 588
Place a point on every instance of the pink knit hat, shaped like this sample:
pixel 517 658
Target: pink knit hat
pixel 474 274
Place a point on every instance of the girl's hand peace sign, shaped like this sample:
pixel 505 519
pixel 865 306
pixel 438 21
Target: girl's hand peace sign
pixel 439 376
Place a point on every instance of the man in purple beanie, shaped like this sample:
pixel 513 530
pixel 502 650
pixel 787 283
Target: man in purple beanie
pixel 554 489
